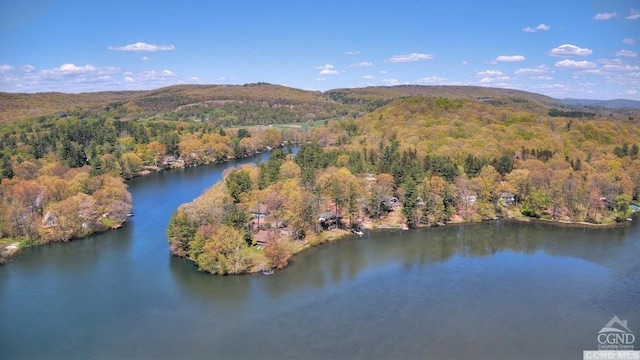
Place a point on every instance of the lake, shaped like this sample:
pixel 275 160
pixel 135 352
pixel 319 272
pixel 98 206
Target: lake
pixel 496 290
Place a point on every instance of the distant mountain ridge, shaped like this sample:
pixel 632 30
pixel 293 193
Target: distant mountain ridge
pixel 611 104
pixel 280 102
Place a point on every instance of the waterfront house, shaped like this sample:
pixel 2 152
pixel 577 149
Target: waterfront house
pixel 328 220
pixel 50 220
pixel 169 160
pixel 507 198
pixel 470 199
pixel 261 237
pixel 392 202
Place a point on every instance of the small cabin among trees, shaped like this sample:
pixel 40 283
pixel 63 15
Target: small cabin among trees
pixel 470 199
pixel 328 220
pixel 392 202
pixel 507 198
pixel 50 220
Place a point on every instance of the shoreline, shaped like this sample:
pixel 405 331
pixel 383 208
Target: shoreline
pixel 339 234
pixel 11 251
pixel 14 247
pixel 579 224
pixel 152 169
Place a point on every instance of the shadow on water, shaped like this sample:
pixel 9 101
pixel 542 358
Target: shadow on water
pixel 450 292
pixel 78 254
pixel 232 292
pixel 335 264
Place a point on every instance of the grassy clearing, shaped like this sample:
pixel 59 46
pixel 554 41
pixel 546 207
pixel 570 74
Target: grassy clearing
pixel 293 125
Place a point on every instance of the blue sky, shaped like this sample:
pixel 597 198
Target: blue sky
pixel 561 48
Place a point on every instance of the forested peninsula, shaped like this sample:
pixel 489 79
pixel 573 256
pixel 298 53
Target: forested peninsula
pixel 64 173
pixel 418 161
pixel 369 157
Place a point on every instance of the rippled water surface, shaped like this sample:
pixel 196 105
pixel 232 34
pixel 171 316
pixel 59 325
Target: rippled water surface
pixel 493 290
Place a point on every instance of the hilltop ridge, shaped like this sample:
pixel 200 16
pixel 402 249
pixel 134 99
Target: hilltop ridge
pixel 20 106
pixel 270 102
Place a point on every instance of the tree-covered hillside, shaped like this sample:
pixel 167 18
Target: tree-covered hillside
pixel 475 145
pixel 250 104
pixel 422 161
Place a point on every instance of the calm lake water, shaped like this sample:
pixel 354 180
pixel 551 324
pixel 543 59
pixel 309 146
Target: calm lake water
pixel 497 290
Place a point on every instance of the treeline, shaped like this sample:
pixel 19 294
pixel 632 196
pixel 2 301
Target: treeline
pixel 63 178
pixel 260 215
pixel 555 168
pixel 124 148
pixel 431 160
pixel 55 203
pixel 241 113
pixel 626 150
pixel 284 197
pixel 571 113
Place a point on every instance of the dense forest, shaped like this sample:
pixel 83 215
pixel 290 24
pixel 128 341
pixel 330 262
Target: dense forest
pixel 380 153
pixel 223 105
pixel 421 161
pixel 262 103
pixel 64 178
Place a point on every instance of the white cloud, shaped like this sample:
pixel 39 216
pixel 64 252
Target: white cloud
pixel 368 77
pixel 510 58
pixel 145 58
pixel 328 72
pixel 140 46
pixel 362 64
pixel 352 52
pixel 614 72
pixel 570 50
pixel 554 86
pixel 627 53
pixel 5 68
pixel 391 81
pixel 490 73
pixel 153 74
pixel 542 27
pixel 593 72
pixel 629 41
pixel 572 64
pixel 327 69
pixel 610 61
pixel 320 79
pixel 605 16
pixel 634 15
pixel 73 70
pixel 492 76
pixel 431 80
pixel 487 80
pixel 540 70
pixel 411 57
pixel 621 67
pixel 542 78
pixel 383 71
pixel 72 78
